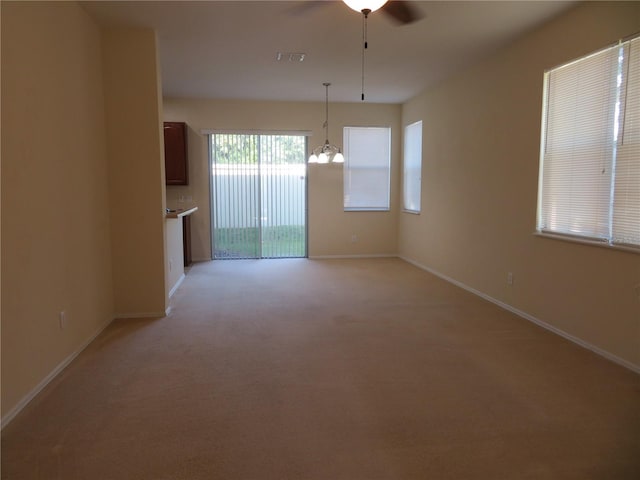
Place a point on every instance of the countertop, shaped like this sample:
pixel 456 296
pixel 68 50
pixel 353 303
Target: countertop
pixel 180 212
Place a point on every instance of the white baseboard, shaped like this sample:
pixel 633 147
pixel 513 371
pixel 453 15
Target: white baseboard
pixel 119 316
pixel 45 381
pixel 603 353
pixel 175 287
pixel 373 255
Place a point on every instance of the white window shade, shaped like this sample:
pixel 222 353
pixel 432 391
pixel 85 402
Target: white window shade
pixel 367 168
pixel 412 167
pixel 578 152
pixel 590 149
pixel 626 199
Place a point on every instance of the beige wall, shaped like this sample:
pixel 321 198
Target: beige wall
pixel 480 172
pixel 56 253
pixel 82 187
pixel 330 228
pixel 136 171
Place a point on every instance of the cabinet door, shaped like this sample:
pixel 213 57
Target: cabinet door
pixel 175 153
pixel 186 239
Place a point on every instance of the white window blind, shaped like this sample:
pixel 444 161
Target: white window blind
pixel 626 198
pixel 412 167
pixel 590 156
pixel 367 168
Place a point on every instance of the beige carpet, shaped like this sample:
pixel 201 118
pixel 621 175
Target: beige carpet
pixel 329 369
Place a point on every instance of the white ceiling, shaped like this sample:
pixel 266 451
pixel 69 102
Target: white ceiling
pixel 227 49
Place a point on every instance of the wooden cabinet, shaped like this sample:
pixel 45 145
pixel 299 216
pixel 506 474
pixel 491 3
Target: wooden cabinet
pixel 175 153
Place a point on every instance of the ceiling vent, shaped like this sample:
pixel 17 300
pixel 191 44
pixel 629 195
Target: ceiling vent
pixel 295 57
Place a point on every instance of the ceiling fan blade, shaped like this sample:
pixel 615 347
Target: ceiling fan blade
pixel 402 12
pixel 306 7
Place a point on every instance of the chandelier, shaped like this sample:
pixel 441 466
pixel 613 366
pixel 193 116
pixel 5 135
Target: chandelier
pixel 326 153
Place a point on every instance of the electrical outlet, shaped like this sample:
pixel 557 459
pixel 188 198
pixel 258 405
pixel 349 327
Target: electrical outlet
pixel 354 238
pixel 62 320
pixel 510 278
pixel 170 265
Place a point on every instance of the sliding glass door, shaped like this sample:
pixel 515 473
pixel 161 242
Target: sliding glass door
pixel 258 196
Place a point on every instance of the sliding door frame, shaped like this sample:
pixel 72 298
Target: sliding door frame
pixel 297 133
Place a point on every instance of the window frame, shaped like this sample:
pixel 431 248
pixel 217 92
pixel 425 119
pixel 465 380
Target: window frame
pixel 349 169
pixel 615 125
pixel 408 135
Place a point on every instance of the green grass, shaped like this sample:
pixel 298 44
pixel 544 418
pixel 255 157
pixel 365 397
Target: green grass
pixel 278 241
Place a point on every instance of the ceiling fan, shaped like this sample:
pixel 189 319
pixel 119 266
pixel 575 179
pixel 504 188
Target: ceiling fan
pixel 401 12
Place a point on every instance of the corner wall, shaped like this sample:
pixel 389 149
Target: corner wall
pixel 133 105
pixel 481 144
pixel 56 252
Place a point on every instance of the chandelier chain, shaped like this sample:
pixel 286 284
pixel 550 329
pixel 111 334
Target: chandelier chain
pixel 326 111
pixel 326 153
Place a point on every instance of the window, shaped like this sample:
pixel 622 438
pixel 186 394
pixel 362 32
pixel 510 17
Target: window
pixel 367 168
pixel 412 165
pixel 590 156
